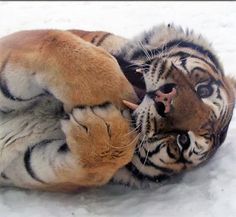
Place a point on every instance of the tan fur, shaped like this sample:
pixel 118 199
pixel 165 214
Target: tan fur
pixel 98 153
pixel 60 59
pixel 197 111
pixel 77 72
pixel 194 115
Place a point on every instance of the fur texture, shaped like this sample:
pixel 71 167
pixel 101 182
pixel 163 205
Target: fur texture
pixel 188 135
pixel 44 71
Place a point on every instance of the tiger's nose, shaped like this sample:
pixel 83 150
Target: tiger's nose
pixel 164 97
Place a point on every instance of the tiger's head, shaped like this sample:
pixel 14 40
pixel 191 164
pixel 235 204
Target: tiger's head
pixel 186 102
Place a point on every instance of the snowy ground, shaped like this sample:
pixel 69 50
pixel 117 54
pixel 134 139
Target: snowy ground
pixel 209 191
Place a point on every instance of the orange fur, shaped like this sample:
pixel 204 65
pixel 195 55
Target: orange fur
pixel 60 61
pixel 77 72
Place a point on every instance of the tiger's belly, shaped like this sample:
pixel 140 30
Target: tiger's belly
pixel 22 129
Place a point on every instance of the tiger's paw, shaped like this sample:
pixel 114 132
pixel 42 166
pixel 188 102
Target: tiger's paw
pixel 99 136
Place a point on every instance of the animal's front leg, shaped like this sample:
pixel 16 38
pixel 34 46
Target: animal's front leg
pixel 101 141
pixel 37 63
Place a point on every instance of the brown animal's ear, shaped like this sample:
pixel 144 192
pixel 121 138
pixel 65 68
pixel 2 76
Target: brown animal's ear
pixel 232 81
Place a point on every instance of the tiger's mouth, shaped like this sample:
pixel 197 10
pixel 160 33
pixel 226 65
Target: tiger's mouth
pixel 140 92
pixel 134 76
pixel 137 81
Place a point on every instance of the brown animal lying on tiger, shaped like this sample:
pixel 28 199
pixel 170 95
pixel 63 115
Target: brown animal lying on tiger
pixel 64 121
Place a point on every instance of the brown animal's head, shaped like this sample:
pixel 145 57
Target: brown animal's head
pixel 186 101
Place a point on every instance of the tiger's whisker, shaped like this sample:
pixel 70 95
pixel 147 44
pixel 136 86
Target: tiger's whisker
pixel 128 145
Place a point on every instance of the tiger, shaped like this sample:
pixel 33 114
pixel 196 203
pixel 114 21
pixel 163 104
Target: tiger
pixel 186 101
pixel 180 106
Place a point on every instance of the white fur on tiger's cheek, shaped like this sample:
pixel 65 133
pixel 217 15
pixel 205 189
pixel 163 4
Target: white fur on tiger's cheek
pixel 198 147
pixel 142 112
pixel 218 104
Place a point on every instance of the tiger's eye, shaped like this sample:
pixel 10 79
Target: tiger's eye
pixel 204 91
pixel 183 140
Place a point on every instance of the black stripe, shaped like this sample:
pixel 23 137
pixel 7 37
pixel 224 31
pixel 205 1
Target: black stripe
pixel 199 69
pixel 169 153
pixel 162 69
pixel 155 66
pixel 4 176
pixel 153 139
pixel 155 125
pixel 93 39
pixel 190 153
pixel 184 55
pixel 102 39
pixel 6 92
pixel 155 151
pixel 213 67
pixel 3 85
pixel 148 125
pixel 63 148
pixel 140 176
pixel 183 44
pixel 183 59
pixel 9 139
pixel 6 111
pixel 221 136
pixel 218 93
pixel 27 159
pixel 172 67
pixel 147 162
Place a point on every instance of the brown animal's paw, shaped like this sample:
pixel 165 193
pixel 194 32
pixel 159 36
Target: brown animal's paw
pixel 99 135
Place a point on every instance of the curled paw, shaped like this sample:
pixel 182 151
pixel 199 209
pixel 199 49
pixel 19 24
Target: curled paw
pixel 100 134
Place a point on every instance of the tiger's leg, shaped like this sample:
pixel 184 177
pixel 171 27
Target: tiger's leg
pixel 35 63
pixel 69 69
pixel 99 141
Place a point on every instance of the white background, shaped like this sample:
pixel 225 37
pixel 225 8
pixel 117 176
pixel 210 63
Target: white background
pixel 209 191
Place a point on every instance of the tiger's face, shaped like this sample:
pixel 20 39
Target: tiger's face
pixel 186 104
pixel 193 122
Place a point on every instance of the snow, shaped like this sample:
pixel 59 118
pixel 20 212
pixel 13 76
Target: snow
pixel 208 191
